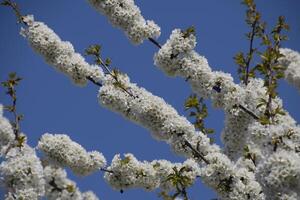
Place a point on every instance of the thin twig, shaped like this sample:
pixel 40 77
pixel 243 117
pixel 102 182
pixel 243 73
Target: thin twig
pixel 251 51
pixel 16 117
pixel 248 112
pixel 93 81
pixel 241 107
pixel 16 10
pixel 114 76
pixel 106 170
pixel 196 152
pixel 153 41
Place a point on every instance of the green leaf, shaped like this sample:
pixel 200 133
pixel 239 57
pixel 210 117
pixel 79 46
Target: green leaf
pixel 93 50
pixel 5 3
pixel 240 59
pixel 107 61
pixel 191 102
pixel 264 120
pixel 4 84
pixel 125 161
pixel 189 31
pixel 210 131
pixel 12 75
pixel 9 108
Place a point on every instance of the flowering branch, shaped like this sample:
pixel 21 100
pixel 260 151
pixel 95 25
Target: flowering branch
pixel 94 50
pixel 10 85
pixel 261 159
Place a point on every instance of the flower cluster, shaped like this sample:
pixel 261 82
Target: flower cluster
pixel 6 132
pixel 235 135
pixel 60 149
pixel 231 182
pixel 260 161
pixel 166 124
pixel 280 174
pixel 177 58
pixel 291 60
pixel 58 186
pixel 153 113
pixel 22 173
pixel 127 16
pixel 60 54
pixel 130 173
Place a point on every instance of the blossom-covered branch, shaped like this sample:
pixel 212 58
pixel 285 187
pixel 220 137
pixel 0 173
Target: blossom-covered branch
pixel 168 177
pixel 60 149
pixel 58 186
pixel 153 113
pixel 165 124
pixel 125 15
pixel 60 54
pixel 291 61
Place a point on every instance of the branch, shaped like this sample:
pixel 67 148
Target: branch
pixel 250 53
pixel 252 114
pixel 16 10
pixel 153 41
pixel 93 81
pixel 197 153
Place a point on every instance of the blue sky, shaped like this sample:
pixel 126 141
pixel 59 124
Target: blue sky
pixel 51 103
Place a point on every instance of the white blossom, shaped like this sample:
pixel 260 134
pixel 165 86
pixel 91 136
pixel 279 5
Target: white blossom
pixel 291 60
pixel 279 173
pixel 59 187
pixel 258 161
pixel 177 58
pixel 89 195
pixel 22 173
pixel 6 132
pixel 125 15
pixel 60 54
pixel 60 149
pixel 164 122
pixel 130 173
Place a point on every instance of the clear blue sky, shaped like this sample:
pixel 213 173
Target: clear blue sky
pixel 51 103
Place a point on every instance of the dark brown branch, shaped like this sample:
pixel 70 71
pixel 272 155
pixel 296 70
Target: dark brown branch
pixel 249 112
pixel 93 81
pixel 153 41
pixel 16 117
pixel 54 185
pixel 196 152
pixel 106 170
pixel 114 76
pixel 251 51
pixel 16 10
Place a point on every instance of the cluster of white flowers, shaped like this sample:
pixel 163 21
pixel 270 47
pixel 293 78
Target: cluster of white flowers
pixel 230 182
pixel 58 186
pixel 6 133
pixel 130 173
pixel 127 16
pixel 258 161
pixel 177 58
pixel 280 174
pixel 60 54
pixel 144 108
pixel 22 173
pixel 60 149
pixel 166 124
pixel 235 135
pixel 153 113
pixel 291 60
